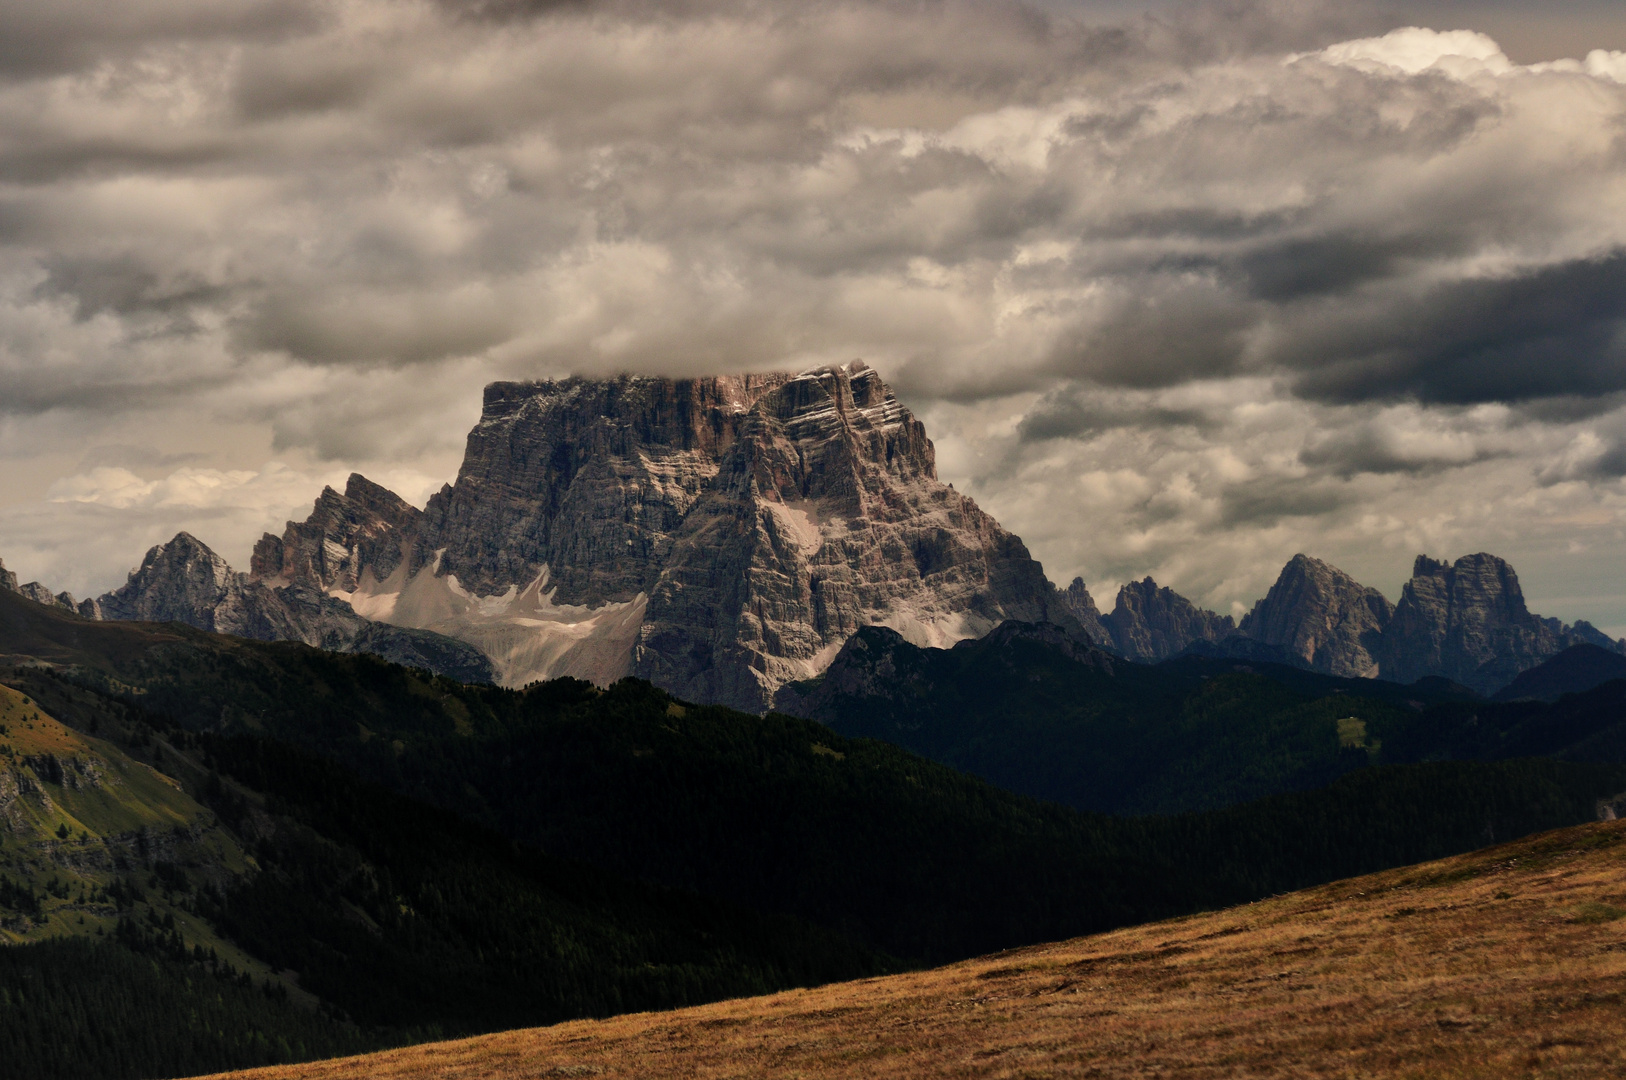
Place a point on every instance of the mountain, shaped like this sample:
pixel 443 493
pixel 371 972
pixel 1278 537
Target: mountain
pixel 1575 670
pixel 775 814
pixel 1323 616
pixel 1149 623
pixel 1467 621
pixel 397 823
pixel 719 536
pixel 225 864
pixel 1077 601
pixel 38 592
pixel 184 581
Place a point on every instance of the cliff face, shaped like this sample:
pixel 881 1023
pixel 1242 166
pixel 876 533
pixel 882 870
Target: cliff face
pixel 184 581
pixel 8 580
pixel 1149 623
pixel 1077 601
pixel 1468 622
pixel 718 536
pixel 1321 615
pixel 826 516
pixel 589 478
pixel 361 528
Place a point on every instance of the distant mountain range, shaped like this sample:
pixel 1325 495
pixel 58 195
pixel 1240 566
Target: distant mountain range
pixel 725 536
pixel 1466 622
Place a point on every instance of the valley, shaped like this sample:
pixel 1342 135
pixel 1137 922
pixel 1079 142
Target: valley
pixel 1509 961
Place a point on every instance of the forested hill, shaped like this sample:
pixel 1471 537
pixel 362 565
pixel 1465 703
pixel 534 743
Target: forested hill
pixel 1034 711
pixel 383 806
pixel 782 815
pixel 280 908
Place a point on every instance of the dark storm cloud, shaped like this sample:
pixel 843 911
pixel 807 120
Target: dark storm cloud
pixel 1265 502
pixel 1373 448
pixel 1163 334
pixel 1550 332
pixel 122 285
pixel 46 37
pixel 1292 269
pixel 1073 414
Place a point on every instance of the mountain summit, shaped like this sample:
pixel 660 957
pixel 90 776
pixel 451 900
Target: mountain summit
pixel 719 536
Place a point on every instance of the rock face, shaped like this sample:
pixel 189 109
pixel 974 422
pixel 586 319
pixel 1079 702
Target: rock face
pixel 1322 616
pixel 719 536
pixel 1077 601
pixel 1467 622
pixel 184 581
pixel 826 516
pixel 1149 623
pixel 8 580
pixel 361 528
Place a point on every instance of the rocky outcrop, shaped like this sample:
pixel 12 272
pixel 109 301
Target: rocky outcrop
pixel 1149 623
pixel 1322 616
pixel 719 536
pixel 1467 622
pixel 184 581
pixel 1077 602
pixel 364 527
pixel 826 516
pixel 40 594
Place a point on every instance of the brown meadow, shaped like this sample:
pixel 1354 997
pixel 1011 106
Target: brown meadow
pixel 1507 962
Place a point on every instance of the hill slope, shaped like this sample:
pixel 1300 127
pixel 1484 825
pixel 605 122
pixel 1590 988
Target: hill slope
pixel 1509 961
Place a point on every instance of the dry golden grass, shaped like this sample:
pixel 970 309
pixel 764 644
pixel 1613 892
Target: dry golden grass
pixel 1507 962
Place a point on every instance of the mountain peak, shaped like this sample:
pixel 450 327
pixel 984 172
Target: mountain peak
pixel 718 535
pixel 1322 616
pixel 1467 621
pixel 1152 623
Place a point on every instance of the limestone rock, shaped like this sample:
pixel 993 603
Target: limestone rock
pixel 826 516
pixel 719 536
pixel 1468 622
pixel 42 595
pixel 1322 616
pixel 8 580
pixel 184 581
pixel 1149 623
pixel 1077 601
pixel 361 528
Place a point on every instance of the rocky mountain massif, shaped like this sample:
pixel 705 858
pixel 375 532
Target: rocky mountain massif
pixel 183 581
pixel 719 536
pixel 1465 621
pixel 725 536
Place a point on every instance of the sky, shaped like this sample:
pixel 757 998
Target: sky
pixel 1179 289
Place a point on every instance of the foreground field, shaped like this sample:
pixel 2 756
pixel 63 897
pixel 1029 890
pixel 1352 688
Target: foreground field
pixel 1510 961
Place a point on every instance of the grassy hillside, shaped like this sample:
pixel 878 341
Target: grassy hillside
pixel 1508 962
pixel 82 825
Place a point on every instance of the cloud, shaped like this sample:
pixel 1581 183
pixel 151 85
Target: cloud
pixel 1257 279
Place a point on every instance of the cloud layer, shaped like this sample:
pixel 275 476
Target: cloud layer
pixel 1181 296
